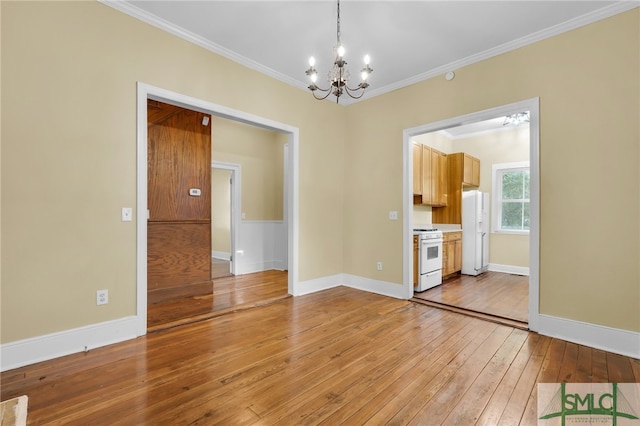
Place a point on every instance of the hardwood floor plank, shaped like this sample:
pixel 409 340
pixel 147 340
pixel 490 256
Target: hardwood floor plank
pixel 619 368
pixel 599 366
pixel 432 374
pixel 526 386
pixel 444 345
pixel 477 396
pixel 567 370
pixel 584 367
pixel 494 408
pixel 340 356
pixel 635 366
pixel 437 408
pixel 550 372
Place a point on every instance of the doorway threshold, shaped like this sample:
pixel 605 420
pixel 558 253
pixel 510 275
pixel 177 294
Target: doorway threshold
pixel 469 312
pixel 214 314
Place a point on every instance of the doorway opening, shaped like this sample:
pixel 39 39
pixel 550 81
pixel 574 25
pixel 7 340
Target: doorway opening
pixel 457 292
pixel 223 225
pixel 290 226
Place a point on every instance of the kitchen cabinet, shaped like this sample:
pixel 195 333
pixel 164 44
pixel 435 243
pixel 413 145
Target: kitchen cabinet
pixel 451 253
pixel 463 170
pixel 470 170
pixel 440 181
pixel 417 170
pixel 430 176
pixel 416 260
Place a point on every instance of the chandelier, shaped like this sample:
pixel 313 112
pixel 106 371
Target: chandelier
pixel 516 119
pixel 338 77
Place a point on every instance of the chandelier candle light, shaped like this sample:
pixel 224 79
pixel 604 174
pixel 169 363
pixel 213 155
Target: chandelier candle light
pixel 339 75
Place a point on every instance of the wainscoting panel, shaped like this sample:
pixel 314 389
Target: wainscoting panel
pixel 262 245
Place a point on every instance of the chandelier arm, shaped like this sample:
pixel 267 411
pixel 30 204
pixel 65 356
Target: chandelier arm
pixel 327 91
pixel 349 92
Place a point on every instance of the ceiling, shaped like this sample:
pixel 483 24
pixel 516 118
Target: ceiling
pixel 408 41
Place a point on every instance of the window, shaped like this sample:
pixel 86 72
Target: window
pixel 511 198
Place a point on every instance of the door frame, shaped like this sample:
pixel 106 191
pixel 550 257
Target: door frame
pixel 236 197
pixel 147 91
pixel 533 106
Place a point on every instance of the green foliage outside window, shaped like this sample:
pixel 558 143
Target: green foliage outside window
pixel 515 200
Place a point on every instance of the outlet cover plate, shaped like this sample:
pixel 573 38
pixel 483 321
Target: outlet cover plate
pixel 102 297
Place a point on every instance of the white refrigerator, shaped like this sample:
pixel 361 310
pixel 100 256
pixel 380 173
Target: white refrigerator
pixel 475 232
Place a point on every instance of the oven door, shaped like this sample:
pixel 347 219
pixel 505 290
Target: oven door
pixel 430 255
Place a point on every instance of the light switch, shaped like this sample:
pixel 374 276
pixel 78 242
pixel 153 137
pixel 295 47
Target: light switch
pixel 195 192
pixel 127 214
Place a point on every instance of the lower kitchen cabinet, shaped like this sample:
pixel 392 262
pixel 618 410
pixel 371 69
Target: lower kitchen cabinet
pixel 451 253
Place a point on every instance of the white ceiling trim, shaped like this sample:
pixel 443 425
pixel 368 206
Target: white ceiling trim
pixel 572 24
pixel 569 25
pixel 167 26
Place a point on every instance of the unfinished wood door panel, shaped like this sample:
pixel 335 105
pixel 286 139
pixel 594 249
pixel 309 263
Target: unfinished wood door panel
pixel 179 159
pixel 178 254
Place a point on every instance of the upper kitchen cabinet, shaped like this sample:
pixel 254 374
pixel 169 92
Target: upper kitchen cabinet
pixel 417 172
pixel 470 170
pixel 464 170
pixel 430 177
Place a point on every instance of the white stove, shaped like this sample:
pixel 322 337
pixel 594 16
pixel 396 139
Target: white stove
pixel 430 258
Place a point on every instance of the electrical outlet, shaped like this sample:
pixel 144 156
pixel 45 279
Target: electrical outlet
pixel 127 214
pixel 393 215
pixel 379 266
pixel 102 297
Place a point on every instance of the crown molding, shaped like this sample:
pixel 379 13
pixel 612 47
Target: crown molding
pixel 144 16
pixel 589 18
pixel 572 24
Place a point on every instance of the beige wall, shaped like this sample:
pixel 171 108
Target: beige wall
pixel 220 211
pixel 69 157
pixel 259 153
pixel 588 84
pixel 69 74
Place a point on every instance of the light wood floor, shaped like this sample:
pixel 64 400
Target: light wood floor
pixel 177 306
pixel 339 356
pixel 493 293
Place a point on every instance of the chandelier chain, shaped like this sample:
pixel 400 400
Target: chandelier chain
pixel 338 26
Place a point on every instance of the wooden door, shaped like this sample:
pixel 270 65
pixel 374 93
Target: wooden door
pixel 179 197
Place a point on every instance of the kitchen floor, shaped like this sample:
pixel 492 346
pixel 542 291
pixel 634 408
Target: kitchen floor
pixel 491 293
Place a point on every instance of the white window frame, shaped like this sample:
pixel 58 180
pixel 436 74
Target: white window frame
pixel 496 206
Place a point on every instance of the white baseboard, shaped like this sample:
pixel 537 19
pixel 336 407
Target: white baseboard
pixel 383 288
pixel 353 281
pixel 242 269
pixel 42 348
pixel 609 339
pixel 508 269
pixel 221 255
pixel 319 284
